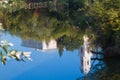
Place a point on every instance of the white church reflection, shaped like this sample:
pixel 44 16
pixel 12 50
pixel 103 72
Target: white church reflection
pixel 43 45
pixel 85 56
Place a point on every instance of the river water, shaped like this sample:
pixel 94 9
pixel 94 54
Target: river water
pixel 48 46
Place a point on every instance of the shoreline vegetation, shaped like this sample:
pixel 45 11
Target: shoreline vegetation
pixel 34 5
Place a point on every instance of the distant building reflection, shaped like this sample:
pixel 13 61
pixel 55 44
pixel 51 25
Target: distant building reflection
pixel 51 45
pixel 85 56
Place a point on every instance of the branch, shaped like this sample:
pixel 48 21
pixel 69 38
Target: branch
pixel 94 52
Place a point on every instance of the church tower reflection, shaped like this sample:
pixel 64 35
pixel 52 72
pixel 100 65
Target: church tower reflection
pixel 85 56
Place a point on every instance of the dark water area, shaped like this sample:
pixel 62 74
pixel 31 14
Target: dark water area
pixel 44 41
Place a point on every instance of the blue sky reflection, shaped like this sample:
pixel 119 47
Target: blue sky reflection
pixel 45 65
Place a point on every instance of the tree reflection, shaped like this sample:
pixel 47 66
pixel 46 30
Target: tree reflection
pixel 104 69
pixel 109 72
pixel 45 24
pixel 40 25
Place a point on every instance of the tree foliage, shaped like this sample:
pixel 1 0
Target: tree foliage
pixel 104 17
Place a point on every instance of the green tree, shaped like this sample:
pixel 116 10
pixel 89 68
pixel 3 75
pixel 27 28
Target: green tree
pixel 104 18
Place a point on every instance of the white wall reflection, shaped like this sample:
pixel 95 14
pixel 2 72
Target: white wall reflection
pixel 44 46
pixel 85 56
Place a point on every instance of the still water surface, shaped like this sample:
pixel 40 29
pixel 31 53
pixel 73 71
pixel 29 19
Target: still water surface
pixel 46 65
pixel 29 28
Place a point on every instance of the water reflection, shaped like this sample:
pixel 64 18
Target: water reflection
pixel 91 65
pixel 85 56
pixel 46 65
pixel 36 4
pixel 34 32
pixel 45 46
pixel 90 62
pixel 1 27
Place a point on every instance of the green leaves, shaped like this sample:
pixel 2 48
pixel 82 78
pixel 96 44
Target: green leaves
pixel 5 48
pixel 3 58
pixel 105 17
pixel 6 53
